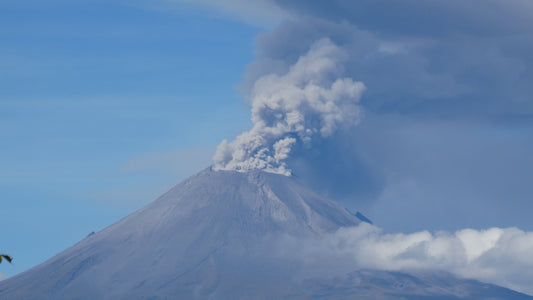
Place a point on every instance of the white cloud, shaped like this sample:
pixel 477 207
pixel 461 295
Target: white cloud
pixel 3 276
pixel 310 101
pixel 500 256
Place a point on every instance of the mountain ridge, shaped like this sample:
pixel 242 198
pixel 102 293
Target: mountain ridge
pixel 193 220
pixel 216 235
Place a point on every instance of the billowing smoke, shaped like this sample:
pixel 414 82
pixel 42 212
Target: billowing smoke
pixel 498 255
pixel 445 84
pixel 311 100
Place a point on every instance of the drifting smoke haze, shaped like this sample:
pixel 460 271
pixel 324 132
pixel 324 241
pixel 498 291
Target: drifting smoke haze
pixel 447 110
pixel 445 143
pixel 296 107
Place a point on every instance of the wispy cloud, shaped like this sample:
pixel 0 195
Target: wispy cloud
pixel 260 13
pixel 183 161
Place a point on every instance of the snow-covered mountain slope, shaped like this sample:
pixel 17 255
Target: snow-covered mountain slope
pixel 217 236
pixel 163 248
pixel 383 285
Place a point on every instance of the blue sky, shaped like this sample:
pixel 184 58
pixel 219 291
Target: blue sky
pixel 104 105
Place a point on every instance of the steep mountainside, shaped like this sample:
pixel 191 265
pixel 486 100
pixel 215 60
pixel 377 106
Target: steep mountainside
pixel 216 235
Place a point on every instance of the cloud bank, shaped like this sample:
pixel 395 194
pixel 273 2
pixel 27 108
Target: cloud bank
pixel 500 256
pixel 309 101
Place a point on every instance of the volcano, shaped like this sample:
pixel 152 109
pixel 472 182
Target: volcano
pixel 218 235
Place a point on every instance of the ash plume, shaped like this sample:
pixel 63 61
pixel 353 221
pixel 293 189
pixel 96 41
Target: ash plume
pixel 310 101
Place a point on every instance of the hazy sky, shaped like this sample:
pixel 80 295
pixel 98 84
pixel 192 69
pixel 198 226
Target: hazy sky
pixel 104 105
